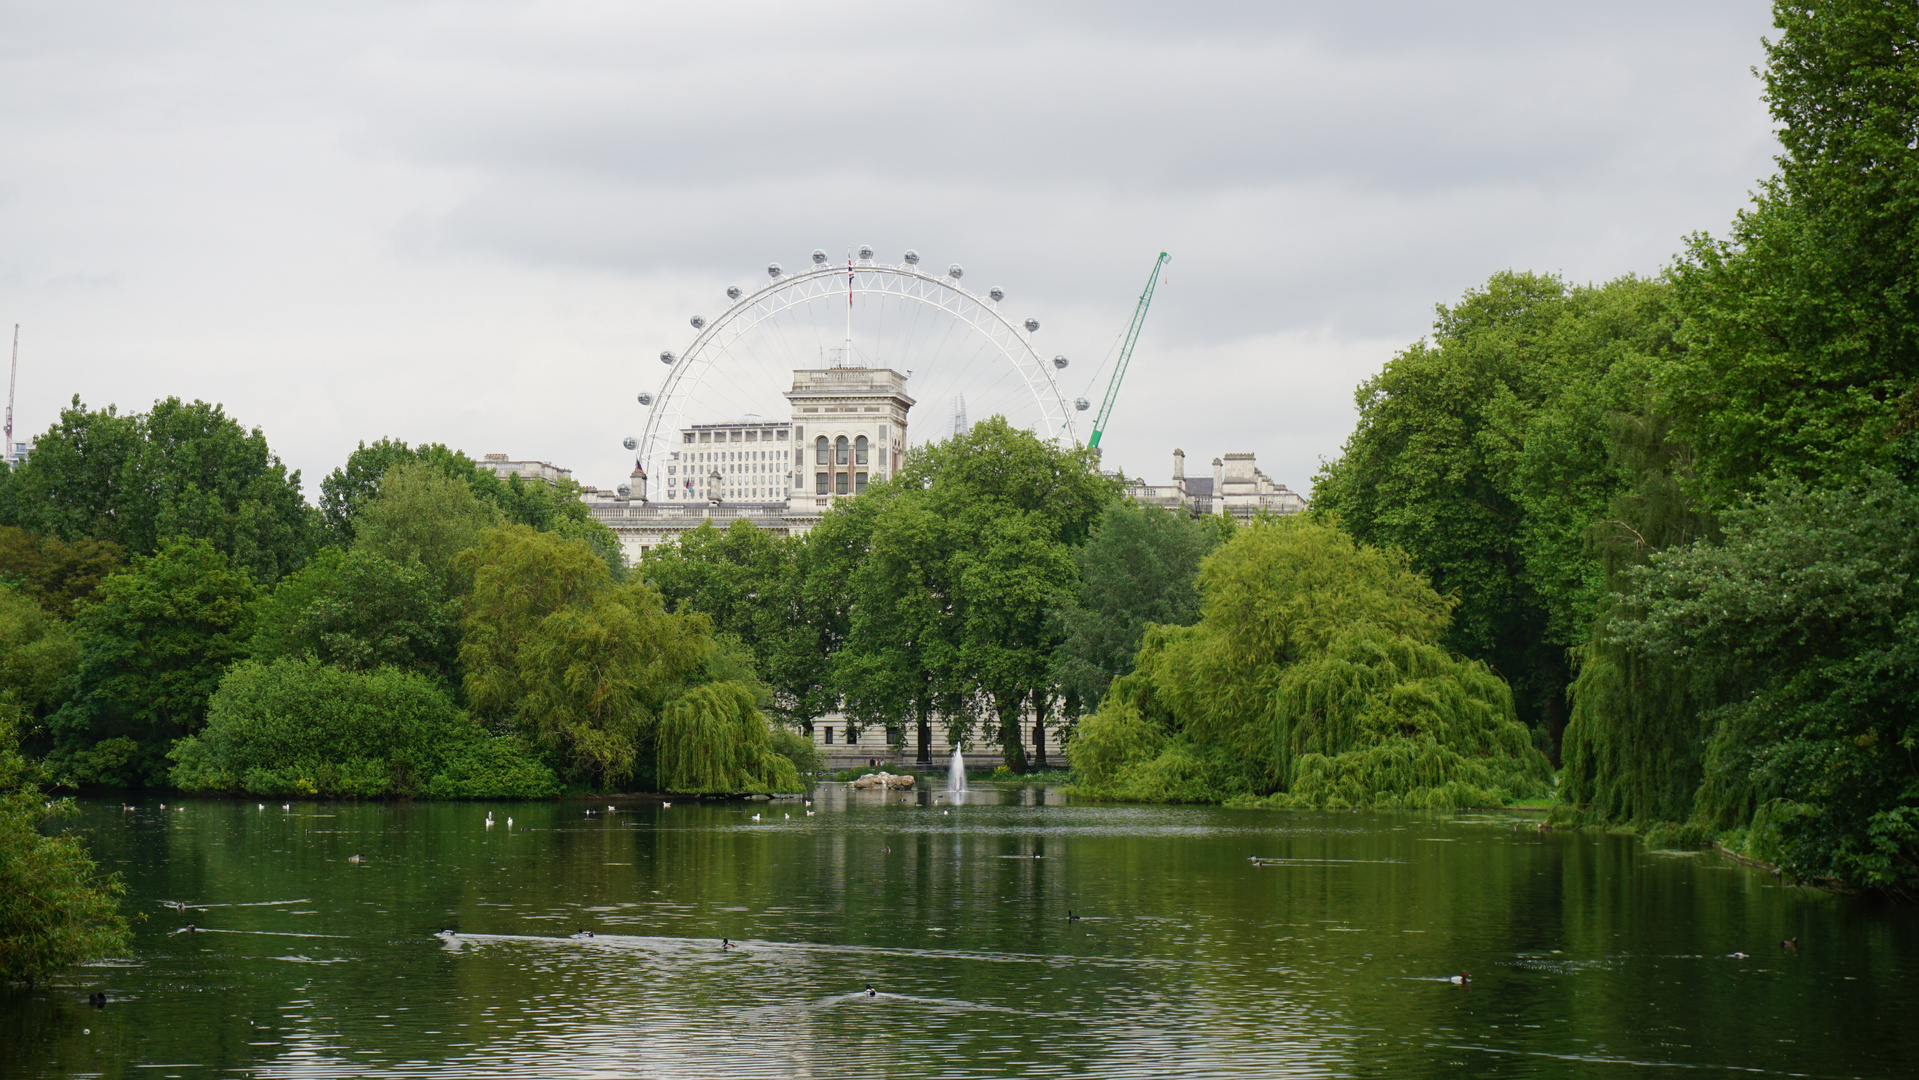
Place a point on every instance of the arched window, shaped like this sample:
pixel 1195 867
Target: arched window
pixel 859 450
pixel 819 445
pixel 839 450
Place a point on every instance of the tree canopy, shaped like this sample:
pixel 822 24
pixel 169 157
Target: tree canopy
pixel 180 470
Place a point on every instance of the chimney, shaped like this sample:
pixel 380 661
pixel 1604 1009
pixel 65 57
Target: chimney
pixel 1219 486
pixel 1179 465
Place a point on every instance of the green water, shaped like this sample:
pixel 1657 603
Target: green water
pixel 1590 956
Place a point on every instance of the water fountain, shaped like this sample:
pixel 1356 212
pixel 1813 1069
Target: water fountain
pixel 956 775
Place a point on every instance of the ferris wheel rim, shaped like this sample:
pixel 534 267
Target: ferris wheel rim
pixel 1011 338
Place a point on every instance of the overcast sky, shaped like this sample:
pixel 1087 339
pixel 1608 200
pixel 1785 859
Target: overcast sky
pixel 478 223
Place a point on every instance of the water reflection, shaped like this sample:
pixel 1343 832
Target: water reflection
pixel 1207 942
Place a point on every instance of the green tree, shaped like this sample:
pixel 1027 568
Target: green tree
pixel 1314 677
pixel 1140 566
pixel 360 610
pixel 1802 326
pixel 56 908
pixel 423 517
pixel 582 665
pixel 1802 626
pixel 984 522
pixel 550 508
pixel 57 575
pixel 155 642
pixel 1487 454
pixel 37 654
pixel 179 470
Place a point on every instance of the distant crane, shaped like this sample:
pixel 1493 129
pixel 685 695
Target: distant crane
pixel 11 377
pixel 1126 350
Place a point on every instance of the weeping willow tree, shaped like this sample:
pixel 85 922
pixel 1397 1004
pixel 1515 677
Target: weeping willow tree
pixel 1314 678
pixel 713 739
pixel 616 690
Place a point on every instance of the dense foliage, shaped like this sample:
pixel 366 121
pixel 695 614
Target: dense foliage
pixel 1314 677
pixel 616 689
pixel 1685 506
pixel 181 470
pixel 301 727
pixel 56 908
pixel 1139 567
pixel 155 642
pixel 1487 453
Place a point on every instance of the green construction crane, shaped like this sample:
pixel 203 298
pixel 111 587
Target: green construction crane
pixel 1126 350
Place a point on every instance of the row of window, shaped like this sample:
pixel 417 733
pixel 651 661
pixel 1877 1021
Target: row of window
pixel 835 454
pixel 837 482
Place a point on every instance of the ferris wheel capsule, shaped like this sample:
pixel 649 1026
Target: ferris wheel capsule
pixel 912 257
pixel 732 292
pixel 866 253
pixel 1082 404
pixel 996 293
pixel 666 356
pixel 819 256
pixel 955 271
pixel 1059 362
pixel 625 490
pixel 698 321
pixel 773 270
pixel 646 398
pixel 630 442
pixel 1032 325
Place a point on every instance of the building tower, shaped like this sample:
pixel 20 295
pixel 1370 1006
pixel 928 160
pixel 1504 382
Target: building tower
pixel 849 430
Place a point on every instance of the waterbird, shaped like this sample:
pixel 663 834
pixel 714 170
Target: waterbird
pixel 263 806
pixel 609 807
pixel 1738 956
pixel 788 817
pixel 489 819
pixel 187 929
pixel 356 858
pixel 584 933
pixel 810 813
pixel 725 945
pixel 1070 917
pixel 666 805
pixel 1461 979
pixel 756 817
pixel 945 811
pixel 509 823
pixel 870 992
pixel 445 933
pixel 1791 943
pixel 176 905
pixel 97 999
pixel 286 806
pixel 163 806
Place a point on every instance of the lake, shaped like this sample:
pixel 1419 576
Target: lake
pixel 1329 956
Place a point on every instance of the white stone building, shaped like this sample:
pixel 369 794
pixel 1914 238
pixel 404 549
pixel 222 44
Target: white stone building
pixel 846 429
pixel 1237 487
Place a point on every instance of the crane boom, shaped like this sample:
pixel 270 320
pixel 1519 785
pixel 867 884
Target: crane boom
pixel 1126 350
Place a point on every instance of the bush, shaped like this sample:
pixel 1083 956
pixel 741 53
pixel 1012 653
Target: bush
pixel 299 727
pixel 56 909
pixel 496 768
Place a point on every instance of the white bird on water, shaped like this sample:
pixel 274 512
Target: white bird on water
pixel 509 823
pixel 286 806
pixel 666 806
pixel 756 817
pixel 263 806
pixel 489 819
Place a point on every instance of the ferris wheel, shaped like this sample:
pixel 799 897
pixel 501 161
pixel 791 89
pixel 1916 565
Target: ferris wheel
pixel 964 356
